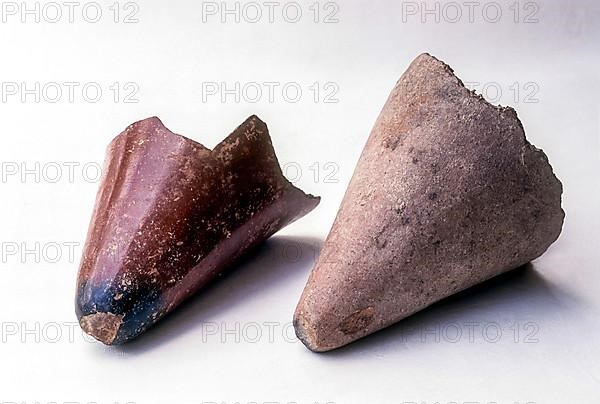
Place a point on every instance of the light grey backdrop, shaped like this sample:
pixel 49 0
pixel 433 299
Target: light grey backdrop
pixel 530 337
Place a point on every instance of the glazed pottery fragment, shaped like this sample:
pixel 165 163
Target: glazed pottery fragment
pixel 170 216
pixel 447 193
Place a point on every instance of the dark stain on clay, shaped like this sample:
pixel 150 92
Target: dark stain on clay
pixel 357 321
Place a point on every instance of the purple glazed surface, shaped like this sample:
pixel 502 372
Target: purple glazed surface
pixel 170 216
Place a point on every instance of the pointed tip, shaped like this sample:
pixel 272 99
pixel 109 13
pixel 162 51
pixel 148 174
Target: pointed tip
pixel 251 131
pixel 102 326
pixel 254 117
pixel 153 120
pixel 315 201
pixel 425 57
pixel 303 334
pixel 143 124
pixel 307 334
pixel 256 125
pixel 432 61
pixel 255 122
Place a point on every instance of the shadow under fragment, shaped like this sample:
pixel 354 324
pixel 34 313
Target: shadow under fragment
pixel 273 263
pixel 520 293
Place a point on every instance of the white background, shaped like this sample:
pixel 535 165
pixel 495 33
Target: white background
pixel 190 357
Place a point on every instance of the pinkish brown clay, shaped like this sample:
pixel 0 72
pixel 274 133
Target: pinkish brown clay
pixel 447 193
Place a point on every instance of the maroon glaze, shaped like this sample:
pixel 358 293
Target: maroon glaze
pixel 170 216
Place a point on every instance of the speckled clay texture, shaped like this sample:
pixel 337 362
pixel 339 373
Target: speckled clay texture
pixel 170 216
pixel 447 194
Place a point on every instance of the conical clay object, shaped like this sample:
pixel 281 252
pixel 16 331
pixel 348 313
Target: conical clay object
pixel 170 216
pixel 447 194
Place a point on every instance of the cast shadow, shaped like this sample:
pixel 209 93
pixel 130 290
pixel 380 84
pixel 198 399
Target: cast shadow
pixel 520 293
pixel 270 265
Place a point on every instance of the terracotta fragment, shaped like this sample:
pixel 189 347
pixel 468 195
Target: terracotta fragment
pixel 170 216
pixel 447 194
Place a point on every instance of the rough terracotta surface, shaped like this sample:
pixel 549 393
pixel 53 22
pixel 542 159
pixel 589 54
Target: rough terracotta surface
pixel 447 193
pixel 170 216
